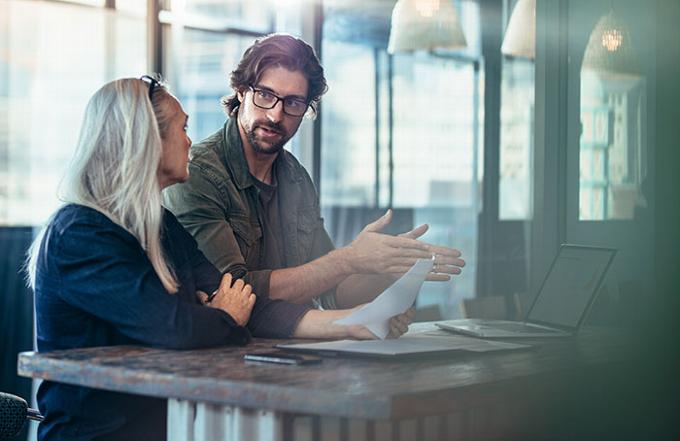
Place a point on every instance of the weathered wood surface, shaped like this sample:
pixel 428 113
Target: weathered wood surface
pixel 338 387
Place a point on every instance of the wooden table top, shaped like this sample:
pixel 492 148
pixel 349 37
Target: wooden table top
pixel 342 387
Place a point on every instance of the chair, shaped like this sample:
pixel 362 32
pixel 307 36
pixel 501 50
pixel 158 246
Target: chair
pixel 14 412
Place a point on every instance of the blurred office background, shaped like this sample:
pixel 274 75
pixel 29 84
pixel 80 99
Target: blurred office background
pixel 555 121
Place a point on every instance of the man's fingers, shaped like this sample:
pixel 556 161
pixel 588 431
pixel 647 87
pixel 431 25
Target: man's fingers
pixel 400 321
pixel 400 327
pixel 405 242
pixel 394 331
pixel 439 272
pixel 435 277
pixel 416 232
pixel 448 261
pixel 446 269
pixel 403 320
pixel 443 251
pixel 408 253
pixel 251 300
pixel 379 224
pixel 398 269
pixel 397 328
pixel 404 262
pixel 247 290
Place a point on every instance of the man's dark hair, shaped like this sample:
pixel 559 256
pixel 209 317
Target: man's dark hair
pixel 276 50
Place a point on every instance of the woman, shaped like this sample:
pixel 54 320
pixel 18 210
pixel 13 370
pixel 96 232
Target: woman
pixel 114 267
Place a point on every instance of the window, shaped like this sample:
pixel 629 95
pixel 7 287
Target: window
pixel 203 42
pixel 436 149
pixel 516 139
pixel 613 165
pixel 244 14
pixel 402 131
pixel 47 73
pixel 199 74
pixel 348 120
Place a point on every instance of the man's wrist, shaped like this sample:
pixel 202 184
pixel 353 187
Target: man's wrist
pixel 343 260
pixel 337 330
pixel 321 324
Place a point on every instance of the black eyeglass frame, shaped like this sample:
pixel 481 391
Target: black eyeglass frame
pixel 283 99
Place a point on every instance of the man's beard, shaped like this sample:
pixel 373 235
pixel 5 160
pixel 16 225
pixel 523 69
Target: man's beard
pixel 267 149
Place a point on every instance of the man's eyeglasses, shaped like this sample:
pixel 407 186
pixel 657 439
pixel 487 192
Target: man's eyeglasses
pixel 292 106
pixel 152 83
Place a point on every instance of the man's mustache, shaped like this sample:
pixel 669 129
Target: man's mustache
pixel 278 128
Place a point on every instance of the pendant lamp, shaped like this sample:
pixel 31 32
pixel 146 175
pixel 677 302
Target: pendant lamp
pixel 425 25
pixel 520 35
pixel 610 49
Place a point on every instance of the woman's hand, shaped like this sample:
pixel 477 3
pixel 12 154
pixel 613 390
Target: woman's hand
pixel 235 299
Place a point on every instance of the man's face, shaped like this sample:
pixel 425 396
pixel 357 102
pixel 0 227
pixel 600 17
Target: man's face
pixel 268 130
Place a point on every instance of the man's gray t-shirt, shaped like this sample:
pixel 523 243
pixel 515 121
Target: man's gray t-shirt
pixel 268 199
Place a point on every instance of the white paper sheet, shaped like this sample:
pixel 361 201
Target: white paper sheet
pixel 393 301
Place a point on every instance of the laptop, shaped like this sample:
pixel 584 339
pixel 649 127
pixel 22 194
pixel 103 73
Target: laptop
pixel 408 346
pixel 563 301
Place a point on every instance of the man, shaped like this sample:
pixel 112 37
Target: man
pixel 253 208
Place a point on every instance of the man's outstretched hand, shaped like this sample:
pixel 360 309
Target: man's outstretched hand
pixel 375 252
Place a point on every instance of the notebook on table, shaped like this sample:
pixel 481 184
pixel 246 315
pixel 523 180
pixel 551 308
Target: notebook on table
pixel 562 303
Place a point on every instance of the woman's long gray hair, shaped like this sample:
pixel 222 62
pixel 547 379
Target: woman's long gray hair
pixel 114 169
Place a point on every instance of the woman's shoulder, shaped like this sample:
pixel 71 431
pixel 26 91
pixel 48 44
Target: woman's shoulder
pixel 79 232
pixel 71 215
pixel 76 224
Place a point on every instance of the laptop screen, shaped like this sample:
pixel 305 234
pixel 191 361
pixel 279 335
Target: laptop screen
pixel 571 284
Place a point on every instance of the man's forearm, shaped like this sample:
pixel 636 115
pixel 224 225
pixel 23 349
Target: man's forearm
pixel 319 324
pixel 361 288
pixel 302 283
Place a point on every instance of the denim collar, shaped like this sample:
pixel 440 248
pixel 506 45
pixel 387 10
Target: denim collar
pixel 235 159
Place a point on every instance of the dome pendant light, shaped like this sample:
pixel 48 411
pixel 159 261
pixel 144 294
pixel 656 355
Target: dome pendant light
pixel 425 25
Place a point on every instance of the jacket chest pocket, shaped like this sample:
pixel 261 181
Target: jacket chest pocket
pixel 248 235
pixel 306 225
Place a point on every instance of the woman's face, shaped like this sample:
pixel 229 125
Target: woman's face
pixel 174 165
